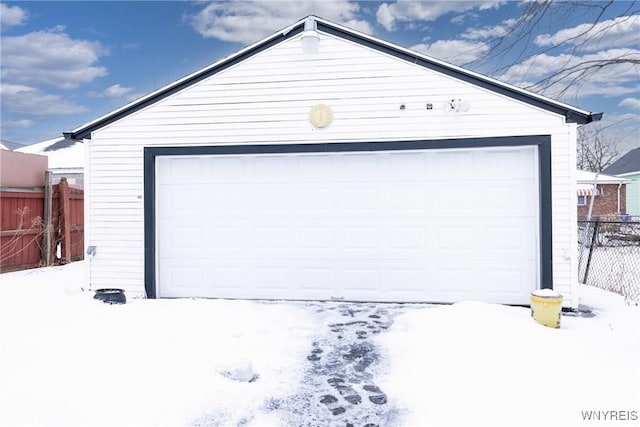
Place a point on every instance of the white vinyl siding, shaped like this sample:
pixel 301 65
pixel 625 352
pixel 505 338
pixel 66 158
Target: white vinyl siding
pixel 266 100
pixel 633 193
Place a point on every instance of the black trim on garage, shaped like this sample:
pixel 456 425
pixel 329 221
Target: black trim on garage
pixel 543 142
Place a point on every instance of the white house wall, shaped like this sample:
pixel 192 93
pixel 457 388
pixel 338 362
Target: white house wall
pixel 266 100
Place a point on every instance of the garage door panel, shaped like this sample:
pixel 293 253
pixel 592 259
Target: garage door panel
pixel 407 280
pixel 403 238
pixel 430 225
pixel 270 168
pixel 222 200
pixel 312 238
pixel 227 238
pixel 454 165
pixel 515 163
pixel 316 279
pixel 476 279
pixel 187 237
pixel 271 279
pixel 181 241
pixel 454 199
pixel 358 167
pixel 312 199
pixel 408 167
pixel 358 198
pixel 189 278
pixel 181 199
pixel 269 233
pixel 503 199
pixel 406 196
pixel 455 240
pixel 315 168
pixel 359 280
pixel 515 274
pixel 179 170
pixel 508 240
pixel 454 277
pixel 224 169
pixel 359 237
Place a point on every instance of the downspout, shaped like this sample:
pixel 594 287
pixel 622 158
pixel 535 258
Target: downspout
pixel 586 229
pixel 619 187
pixel 593 195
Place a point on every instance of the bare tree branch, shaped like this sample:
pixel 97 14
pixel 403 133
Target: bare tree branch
pixel 517 43
pixel 595 150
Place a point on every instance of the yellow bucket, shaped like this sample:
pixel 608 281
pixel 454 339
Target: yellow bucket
pixel 546 307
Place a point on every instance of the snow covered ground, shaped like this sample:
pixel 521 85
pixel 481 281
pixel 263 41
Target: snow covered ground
pixel 67 359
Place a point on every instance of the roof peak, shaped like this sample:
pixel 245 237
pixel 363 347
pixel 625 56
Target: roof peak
pixel 570 113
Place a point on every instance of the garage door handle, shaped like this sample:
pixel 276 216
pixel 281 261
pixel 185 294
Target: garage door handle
pixel 337 298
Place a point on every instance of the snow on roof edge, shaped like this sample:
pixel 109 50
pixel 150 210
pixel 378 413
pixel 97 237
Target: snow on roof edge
pixel 590 177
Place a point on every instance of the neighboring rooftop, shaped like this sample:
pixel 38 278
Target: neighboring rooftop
pixel 62 153
pixel 586 177
pixel 629 163
pixel 10 145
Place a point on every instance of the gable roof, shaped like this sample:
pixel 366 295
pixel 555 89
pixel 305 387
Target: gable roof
pixel 571 114
pixel 627 164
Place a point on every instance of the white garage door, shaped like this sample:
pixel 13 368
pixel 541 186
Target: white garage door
pixel 423 225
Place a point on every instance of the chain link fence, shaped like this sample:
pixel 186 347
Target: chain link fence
pixel 609 256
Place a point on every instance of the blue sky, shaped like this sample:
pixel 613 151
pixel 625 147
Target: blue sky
pixel 67 63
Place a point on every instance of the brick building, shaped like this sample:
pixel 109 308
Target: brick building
pixel 610 194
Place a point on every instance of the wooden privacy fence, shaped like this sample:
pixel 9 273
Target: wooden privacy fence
pixel 41 226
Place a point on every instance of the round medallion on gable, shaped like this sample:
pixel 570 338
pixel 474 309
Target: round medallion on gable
pixel 320 115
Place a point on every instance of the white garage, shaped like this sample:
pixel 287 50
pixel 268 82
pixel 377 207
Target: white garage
pixel 362 171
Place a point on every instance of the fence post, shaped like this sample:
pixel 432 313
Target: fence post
pixel 65 221
pixel 593 243
pixel 48 226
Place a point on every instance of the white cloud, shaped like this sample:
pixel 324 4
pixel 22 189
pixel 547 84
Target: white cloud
pixel 12 15
pixel 50 58
pixel 113 91
pixel 488 32
pixel 611 80
pixel 454 51
pixel 30 100
pixel 250 21
pixel 630 103
pixel 389 14
pixel 22 123
pixel 459 19
pixel 612 33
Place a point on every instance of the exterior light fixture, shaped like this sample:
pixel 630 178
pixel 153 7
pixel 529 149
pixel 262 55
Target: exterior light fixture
pixel 458 105
pixel 455 106
pixel 310 36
